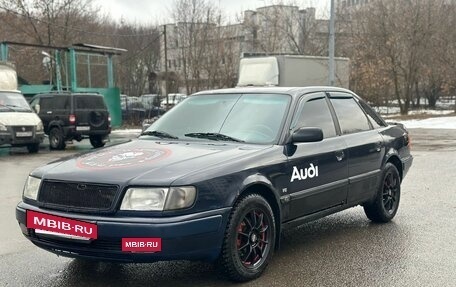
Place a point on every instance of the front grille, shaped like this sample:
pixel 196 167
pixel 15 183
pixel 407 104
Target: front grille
pixel 22 128
pixel 75 196
pixel 22 133
pixel 99 244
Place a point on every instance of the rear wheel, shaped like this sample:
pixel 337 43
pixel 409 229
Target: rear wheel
pixel 249 239
pixel 56 139
pixel 386 202
pixel 97 141
pixel 33 148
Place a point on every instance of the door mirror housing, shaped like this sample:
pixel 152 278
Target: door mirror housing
pixel 307 135
pixel 37 108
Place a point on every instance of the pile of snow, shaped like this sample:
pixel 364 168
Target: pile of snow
pixel 431 123
pixel 127 131
pixel 431 112
pixel 389 112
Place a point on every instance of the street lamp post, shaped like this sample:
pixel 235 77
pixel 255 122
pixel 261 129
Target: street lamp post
pixel 331 46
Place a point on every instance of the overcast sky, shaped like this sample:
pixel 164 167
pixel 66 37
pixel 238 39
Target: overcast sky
pixel 158 11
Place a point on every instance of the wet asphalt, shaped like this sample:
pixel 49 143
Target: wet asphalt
pixel 416 249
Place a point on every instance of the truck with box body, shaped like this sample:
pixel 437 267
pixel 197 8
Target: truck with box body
pixel 291 71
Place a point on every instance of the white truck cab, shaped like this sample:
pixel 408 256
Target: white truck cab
pixel 19 125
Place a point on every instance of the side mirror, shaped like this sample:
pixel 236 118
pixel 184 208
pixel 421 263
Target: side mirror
pixel 37 108
pixel 306 135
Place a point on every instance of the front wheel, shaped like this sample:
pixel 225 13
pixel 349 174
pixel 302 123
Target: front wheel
pixel 56 139
pixel 249 240
pixel 386 202
pixel 33 148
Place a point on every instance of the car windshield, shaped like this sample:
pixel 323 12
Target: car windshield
pixel 13 102
pixel 250 118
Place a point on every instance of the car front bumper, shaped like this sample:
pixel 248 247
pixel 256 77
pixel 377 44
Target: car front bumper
pixel 188 237
pixel 72 132
pixel 406 164
pixel 8 138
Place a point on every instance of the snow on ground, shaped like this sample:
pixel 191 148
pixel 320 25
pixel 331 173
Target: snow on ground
pixel 389 112
pixel 431 123
pixel 127 131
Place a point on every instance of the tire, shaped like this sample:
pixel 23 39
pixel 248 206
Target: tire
pixel 96 119
pixel 33 148
pixel 249 240
pixel 386 202
pixel 56 139
pixel 97 141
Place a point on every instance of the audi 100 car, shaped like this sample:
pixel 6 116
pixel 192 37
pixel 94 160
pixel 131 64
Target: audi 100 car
pixel 218 178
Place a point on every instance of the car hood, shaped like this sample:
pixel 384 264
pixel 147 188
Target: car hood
pixel 146 162
pixel 19 119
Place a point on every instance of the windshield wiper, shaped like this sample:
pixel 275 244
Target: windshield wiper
pixel 10 107
pixel 160 134
pixel 213 136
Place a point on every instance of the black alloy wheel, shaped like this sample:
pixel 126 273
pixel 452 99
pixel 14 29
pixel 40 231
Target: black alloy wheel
pixel 391 187
pixel 249 239
pixel 253 238
pixel 386 202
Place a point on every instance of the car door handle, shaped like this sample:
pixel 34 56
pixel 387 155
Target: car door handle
pixel 49 112
pixel 340 155
pixel 378 146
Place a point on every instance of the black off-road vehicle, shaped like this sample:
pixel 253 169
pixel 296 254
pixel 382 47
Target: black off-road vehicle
pixel 73 116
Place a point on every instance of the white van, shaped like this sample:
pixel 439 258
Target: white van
pixel 173 99
pixel 19 125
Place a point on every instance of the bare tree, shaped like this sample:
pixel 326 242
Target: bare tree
pixel 200 47
pixel 52 22
pixel 282 27
pixel 137 69
pixel 391 41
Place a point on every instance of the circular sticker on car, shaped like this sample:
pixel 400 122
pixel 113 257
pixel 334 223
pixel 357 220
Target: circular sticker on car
pixel 118 158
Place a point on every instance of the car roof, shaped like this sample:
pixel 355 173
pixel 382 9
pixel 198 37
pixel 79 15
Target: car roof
pixel 66 94
pixel 293 91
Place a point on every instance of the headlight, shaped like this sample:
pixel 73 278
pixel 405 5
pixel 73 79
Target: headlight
pixel 39 127
pixel 158 199
pixel 3 128
pixel 180 197
pixel 32 185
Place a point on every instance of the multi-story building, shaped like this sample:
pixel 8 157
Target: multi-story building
pixel 342 4
pixel 202 55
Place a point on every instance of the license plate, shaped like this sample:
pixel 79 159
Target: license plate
pixel 142 245
pixel 83 128
pixel 24 134
pixel 61 225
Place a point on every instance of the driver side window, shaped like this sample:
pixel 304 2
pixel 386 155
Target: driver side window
pixel 314 112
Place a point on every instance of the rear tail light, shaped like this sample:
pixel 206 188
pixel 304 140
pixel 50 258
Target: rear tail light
pixel 72 119
pixel 408 140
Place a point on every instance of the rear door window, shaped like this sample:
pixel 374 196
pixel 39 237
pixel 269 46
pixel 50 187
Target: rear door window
pixel 374 118
pixel 352 118
pixel 61 103
pixel 53 103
